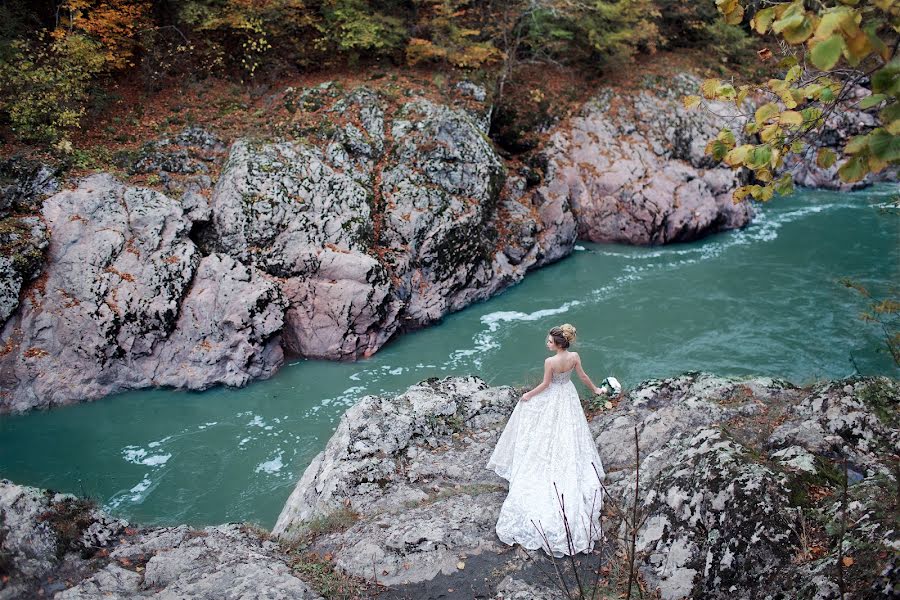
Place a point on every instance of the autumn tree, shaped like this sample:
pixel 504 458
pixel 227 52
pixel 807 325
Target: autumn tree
pixel 830 48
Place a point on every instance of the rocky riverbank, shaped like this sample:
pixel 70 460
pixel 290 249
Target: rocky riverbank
pixel 741 485
pixel 378 210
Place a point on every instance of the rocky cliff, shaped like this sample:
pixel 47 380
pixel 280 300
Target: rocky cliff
pixel 740 479
pixel 740 487
pixel 378 211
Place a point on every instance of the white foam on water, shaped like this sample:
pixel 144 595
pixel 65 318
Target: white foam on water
pixel 484 341
pixel 579 248
pixel 158 443
pixel 244 441
pixel 397 371
pixel 133 454
pixel 256 422
pixel 156 460
pixel 138 456
pixel 135 495
pixel 272 465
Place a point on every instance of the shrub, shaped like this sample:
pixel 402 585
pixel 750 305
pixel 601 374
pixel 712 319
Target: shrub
pixel 44 86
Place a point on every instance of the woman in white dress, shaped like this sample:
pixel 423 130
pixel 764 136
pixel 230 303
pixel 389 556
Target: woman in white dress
pixel 547 454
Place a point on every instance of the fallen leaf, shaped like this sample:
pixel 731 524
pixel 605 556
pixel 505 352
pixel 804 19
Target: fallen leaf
pixel 848 561
pixel 460 565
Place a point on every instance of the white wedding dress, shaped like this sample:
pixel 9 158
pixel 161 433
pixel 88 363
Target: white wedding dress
pixel 547 441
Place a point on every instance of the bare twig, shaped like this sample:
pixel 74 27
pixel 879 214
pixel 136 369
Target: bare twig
pixel 840 563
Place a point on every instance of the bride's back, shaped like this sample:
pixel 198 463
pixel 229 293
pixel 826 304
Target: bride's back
pixel 564 362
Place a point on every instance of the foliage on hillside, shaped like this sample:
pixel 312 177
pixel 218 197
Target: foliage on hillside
pixel 55 58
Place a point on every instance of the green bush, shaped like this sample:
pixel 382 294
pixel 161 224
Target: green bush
pixel 44 86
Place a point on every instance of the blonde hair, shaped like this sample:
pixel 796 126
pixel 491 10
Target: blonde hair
pixel 563 335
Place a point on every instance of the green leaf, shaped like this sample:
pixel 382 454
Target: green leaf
pixel 727 137
pixel 762 20
pixel 759 156
pixel 716 149
pixel 854 169
pixel 825 158
pixel 857 144
pixel 890 113
pixel 824 55
pixel 886 80
pixel 785 184
pixel 884 145
pixel 870 101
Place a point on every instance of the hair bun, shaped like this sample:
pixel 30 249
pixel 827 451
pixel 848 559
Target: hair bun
pixel 568 331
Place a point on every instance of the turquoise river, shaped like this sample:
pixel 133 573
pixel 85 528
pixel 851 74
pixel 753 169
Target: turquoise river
pixel 766 300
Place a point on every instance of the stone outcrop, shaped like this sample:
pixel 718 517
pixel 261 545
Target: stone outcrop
pixel 23 235
pixel 376 213
pixel 55 545
pixel 378 216
pixel 127 301
pixel 740 488
pixel 633 170
pixel 727 465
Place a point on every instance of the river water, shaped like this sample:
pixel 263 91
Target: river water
pixel 765 300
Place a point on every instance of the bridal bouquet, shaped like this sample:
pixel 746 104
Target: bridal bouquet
pixel 613 384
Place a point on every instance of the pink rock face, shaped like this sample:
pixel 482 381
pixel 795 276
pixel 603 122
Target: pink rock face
pixel 637 174
pixel 127 302
pixel 382 228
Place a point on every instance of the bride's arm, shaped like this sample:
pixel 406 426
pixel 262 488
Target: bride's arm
pixel 584 377
pixel 548 377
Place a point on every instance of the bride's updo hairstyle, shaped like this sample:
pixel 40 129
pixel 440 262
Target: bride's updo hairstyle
pixel 563 335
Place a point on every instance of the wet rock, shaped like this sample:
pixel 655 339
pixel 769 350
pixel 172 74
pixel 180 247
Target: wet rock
pixel 128 302
pixel 633 170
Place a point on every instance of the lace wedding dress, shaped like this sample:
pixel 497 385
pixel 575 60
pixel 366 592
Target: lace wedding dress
pixel 547 442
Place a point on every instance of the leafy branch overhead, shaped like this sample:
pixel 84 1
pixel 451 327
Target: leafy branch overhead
pixel 828 52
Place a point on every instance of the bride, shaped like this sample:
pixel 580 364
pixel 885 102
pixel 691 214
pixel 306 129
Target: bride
pixel 547 454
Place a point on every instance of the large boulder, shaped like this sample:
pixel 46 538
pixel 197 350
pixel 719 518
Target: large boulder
pixel 127 301
pixel 401 495
pixel 632 167
pixel 377 216
pixel 61 546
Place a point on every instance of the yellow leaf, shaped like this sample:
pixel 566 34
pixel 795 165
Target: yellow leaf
pixel 791 118
pixel 708 88
pixel 691 101
pixel 766 112
pixel 848 561
pixel 769 132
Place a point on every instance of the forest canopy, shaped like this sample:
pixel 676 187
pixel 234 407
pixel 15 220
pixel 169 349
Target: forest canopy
pixel 55 54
